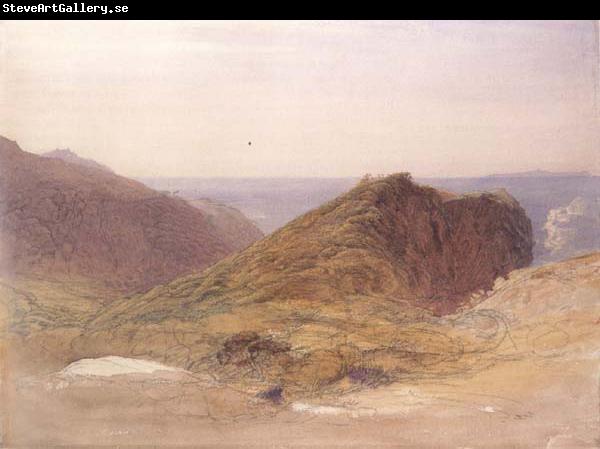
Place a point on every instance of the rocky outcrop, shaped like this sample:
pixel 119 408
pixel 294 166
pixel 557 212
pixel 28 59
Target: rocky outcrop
pixel 63 219
pixel 72 158
pixel 489 236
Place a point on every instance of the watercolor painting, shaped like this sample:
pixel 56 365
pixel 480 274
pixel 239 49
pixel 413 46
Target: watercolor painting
pixel 294 234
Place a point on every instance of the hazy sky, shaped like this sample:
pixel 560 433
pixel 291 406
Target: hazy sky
pixel 314 98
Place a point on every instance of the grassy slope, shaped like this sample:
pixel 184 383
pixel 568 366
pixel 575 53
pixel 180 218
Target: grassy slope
pixel 536 314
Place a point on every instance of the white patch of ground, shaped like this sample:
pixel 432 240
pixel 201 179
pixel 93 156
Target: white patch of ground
pixel 488 409
pixel 114 365
pixel 332 410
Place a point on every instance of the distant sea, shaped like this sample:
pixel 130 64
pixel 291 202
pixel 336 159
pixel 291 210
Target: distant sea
pixel 548 199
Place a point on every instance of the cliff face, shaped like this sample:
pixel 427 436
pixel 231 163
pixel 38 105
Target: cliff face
pixel 62 219
pixel 485 236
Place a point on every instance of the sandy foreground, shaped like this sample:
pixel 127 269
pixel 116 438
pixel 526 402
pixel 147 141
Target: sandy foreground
pixel 537 387
pixel 547 404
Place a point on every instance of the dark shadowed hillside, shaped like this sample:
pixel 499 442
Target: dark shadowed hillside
pixel 62 218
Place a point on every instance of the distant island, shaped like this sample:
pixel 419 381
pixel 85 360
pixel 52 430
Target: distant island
pixel 540 173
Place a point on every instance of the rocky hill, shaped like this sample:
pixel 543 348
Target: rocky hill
pixel 316 298
pixel 71 157
pixel 389 237
pixel 65 219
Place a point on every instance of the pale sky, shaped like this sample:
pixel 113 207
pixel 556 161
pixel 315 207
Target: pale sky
pixel 314 98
